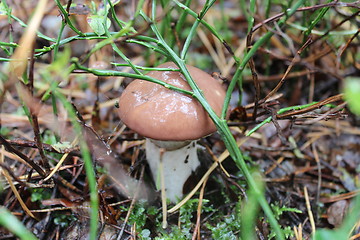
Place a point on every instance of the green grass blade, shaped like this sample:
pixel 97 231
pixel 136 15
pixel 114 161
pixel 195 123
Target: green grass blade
pixel 264 39
pixel 89 168
pixel 192 32
pixel 313 23
pixel 11 223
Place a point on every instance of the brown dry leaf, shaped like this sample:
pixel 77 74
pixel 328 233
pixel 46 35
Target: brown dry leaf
pixel 71 195
pixel 59 201
pixel 108 233
pixel 336 212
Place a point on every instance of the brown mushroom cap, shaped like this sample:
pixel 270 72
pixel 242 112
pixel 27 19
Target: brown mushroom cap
pixel 162 114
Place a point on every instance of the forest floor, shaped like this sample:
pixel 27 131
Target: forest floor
pixel 67 161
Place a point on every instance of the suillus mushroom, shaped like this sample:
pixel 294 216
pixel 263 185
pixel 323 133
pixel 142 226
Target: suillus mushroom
pixel 171 122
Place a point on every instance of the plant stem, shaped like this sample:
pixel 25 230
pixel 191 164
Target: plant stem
pixel 108 73
pixel 65 14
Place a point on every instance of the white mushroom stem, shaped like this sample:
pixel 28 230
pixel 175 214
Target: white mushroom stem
pixel 179 160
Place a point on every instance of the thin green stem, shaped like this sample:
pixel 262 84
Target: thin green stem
pixel 313 23
pixel 11 38
pixel 281 111
pixel 5 44
pixel 182 18
pixel 144 40
pixel 149 46
pixel 250 20
pixel 86 36
pixel 243 4
pixel 192 32
pixel 251 209
pixel 39 34
pixel 122 55
pixel 252 51
pixel 208 26
pixel 110 39
pixel 268 4
pixel 65 15
pixel 116 19
pixel 165 25
pixel 145 68
pixel 57 44
pixel 251 15
pixel 108 73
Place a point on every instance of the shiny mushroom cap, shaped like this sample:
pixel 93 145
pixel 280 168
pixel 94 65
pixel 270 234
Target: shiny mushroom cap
pixel 163 114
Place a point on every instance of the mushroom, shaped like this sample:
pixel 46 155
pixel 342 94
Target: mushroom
pixel 172 122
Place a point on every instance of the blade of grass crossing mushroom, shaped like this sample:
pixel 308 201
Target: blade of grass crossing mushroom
pixel 130 75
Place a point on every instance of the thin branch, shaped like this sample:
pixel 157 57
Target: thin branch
pixel 317 105
pixel 10 148
pixel 312 8
pixel 46 147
